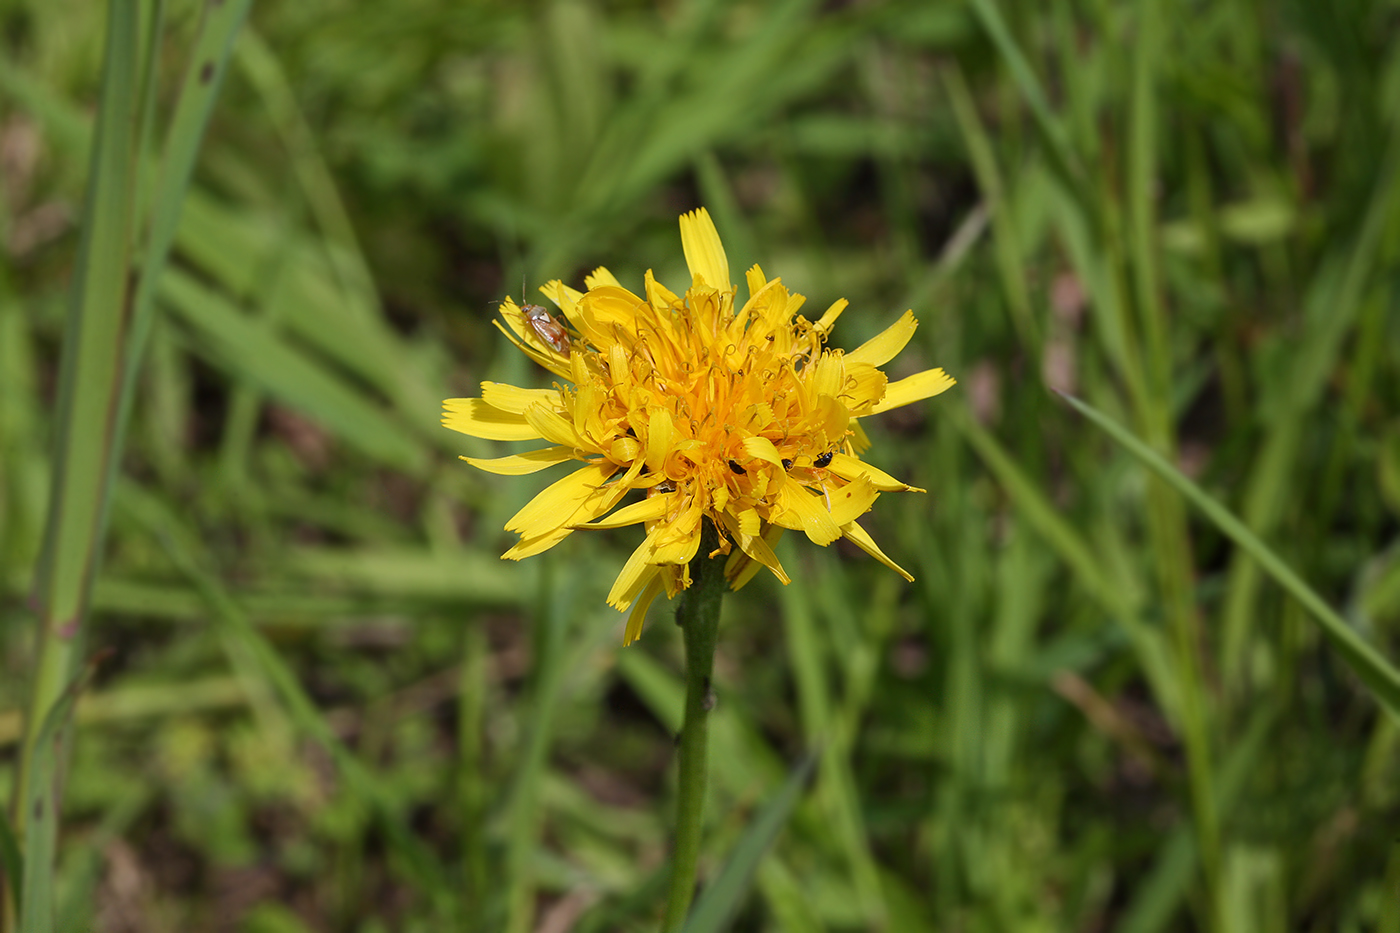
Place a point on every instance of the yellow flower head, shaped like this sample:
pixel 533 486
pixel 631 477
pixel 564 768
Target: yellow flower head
pixel 739 416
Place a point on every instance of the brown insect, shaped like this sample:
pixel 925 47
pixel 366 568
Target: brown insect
pixel 546 327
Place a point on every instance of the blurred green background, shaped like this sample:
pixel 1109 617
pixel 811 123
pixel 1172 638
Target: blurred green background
pixel 330 706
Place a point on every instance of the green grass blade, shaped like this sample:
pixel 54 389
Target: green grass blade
pixel 41 805
pixel 89 374
pixel 204 74
pixel 717 905
pixel 1331 306
pixel 12 863
pixel 1051 130
pixel 1010 256
pixel 1368 664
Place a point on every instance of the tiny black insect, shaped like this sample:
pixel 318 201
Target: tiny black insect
pixel 824 460
pixel 787 464
pixel 736 468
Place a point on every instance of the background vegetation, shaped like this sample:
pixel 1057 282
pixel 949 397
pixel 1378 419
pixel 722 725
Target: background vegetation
pixel 328 706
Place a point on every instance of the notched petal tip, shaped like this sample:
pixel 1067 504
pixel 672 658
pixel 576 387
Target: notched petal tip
pixel 479 418
pixel 915 388
pixel 704 253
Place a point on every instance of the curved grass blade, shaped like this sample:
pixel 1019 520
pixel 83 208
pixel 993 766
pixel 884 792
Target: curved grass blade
pixel 1368 664
pixel 722 898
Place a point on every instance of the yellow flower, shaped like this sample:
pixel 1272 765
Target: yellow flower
pixel 742 417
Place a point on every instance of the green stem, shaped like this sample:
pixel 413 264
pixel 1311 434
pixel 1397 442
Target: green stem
pixel 698 617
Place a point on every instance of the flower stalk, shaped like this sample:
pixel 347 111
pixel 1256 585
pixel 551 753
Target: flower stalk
pixel 698 617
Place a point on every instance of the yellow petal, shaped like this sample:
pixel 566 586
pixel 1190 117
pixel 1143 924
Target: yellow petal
pixel 680 536
pixel 752 548
pixel 832 416
pixel 675 577
pixel 514 399
pixel 858 536
pixel 829 318
pixel 639 611
pixel 556 503
pixel 537 350
pixel 636 574
pixel 865 386
pixel 755 279
pixel 851 501
pixel 719 499
pixel 600 276
pixel 610 306
pixel 704 253
pixel 681 550
pixel 593 505
pixel 763 449
pixel 919 386
pixel 648 510
pixel 749 523
pixel 659 296
pixel 529 546
pixel 828 376
pixel 475 417
pixel 848 467
pixel 661 432
pixel 798 509
pixel 520 464
pixel 610 495
pixel 741 566
pixel 552 426
pixel 879 350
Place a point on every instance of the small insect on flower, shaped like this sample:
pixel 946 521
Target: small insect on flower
pixel 546 327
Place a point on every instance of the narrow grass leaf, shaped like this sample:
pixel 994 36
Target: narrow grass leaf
pixel 219 25
pixel 721 899
pixel 11 863
pixel 1051 130
pixel 1331 305
pixel 41 805
pixel 1009 254
pixel 1369 665
pixel 88 377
